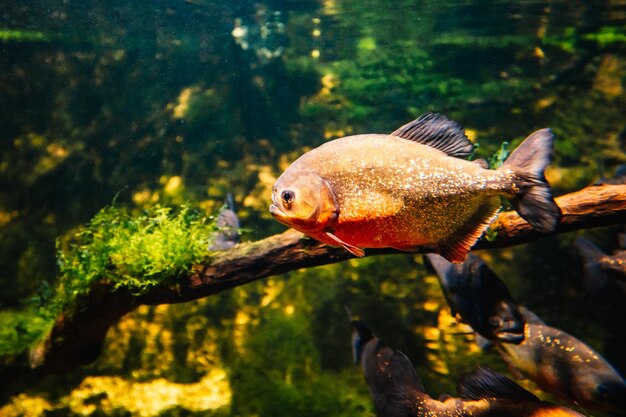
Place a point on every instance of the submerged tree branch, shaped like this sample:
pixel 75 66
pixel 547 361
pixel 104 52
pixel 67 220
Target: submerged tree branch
pixel 76 337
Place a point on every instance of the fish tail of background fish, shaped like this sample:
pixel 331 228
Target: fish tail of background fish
pixel 533 199
pixel 230 202
pixel 595 279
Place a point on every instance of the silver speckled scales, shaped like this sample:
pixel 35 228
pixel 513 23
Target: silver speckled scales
pixel 416 190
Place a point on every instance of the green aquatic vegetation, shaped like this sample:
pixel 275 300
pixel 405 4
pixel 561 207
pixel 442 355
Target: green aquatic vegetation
pixel 21 35
pixel 495 161
pixel 570 40
pixel 498 158
pixel 20 329
pixel 132 252
pixel 608 35
pixel 462 39
pixel 567 41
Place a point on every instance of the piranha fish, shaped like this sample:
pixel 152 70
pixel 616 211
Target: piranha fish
pixel 412 189
pixel 479 298
pixel 398 392
pixel 559 363
pixel 227 223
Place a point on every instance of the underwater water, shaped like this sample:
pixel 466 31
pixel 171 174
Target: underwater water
pixel 159 109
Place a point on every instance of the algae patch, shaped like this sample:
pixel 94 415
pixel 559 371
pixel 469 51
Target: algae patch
pixel 18 330
pixel 132 252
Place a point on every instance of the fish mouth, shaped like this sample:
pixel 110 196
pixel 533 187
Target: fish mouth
pixel 277 212
pixel 510 337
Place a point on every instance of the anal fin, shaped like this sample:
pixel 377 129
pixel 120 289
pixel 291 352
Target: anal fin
pixel 456 247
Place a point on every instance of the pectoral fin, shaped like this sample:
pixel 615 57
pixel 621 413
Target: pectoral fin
pixel 350 248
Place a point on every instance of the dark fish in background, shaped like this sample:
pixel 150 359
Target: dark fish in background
pixel 479 298
pixel 412 188
pixel 560 363
pixel 600 268
pixel 227 223
pixel 556 361
pixel 619 177
pixel 398 392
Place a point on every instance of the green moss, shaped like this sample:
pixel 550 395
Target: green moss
pixel 19 330
pixel 132 252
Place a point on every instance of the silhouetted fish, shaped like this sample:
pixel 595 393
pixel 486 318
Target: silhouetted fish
pixel 411 188
pixel 600 267
pixel 556 361
pixel 227 223
pixel 559 363
pixel 619 177
pixel 398 392
pixel 479 298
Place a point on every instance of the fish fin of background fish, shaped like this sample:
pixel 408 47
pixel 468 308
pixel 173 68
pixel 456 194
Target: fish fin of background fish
pixel 457 246
pixel 350 248
pixel 595 279
pixel 588 250
pixel 437 131
pixel 534 201
pixel 483 383
pixel 447 272
pixel 230 201
pixel 529 316
pixel 403 373
pixel 448 275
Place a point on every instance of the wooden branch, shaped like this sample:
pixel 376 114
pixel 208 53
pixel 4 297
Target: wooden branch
pixel 77 336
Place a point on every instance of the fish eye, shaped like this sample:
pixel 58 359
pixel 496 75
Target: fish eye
pixel 287 197
pixel 602 390
pixel 495 321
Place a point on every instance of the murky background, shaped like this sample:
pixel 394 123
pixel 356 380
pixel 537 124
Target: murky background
pixel 175 102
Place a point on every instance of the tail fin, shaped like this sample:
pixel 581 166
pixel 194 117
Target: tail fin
pixel 534 201
pixel 595 279
pixel 361 335
pixel 230 202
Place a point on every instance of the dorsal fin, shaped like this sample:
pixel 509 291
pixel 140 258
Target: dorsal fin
pixel 529 316
pixel 484 383
pixel 403 374
pixel 437 131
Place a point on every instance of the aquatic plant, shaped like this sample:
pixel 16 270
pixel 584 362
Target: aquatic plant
pixel 19 329
pixel 22 35
pixel 132 252
pixel 498 158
